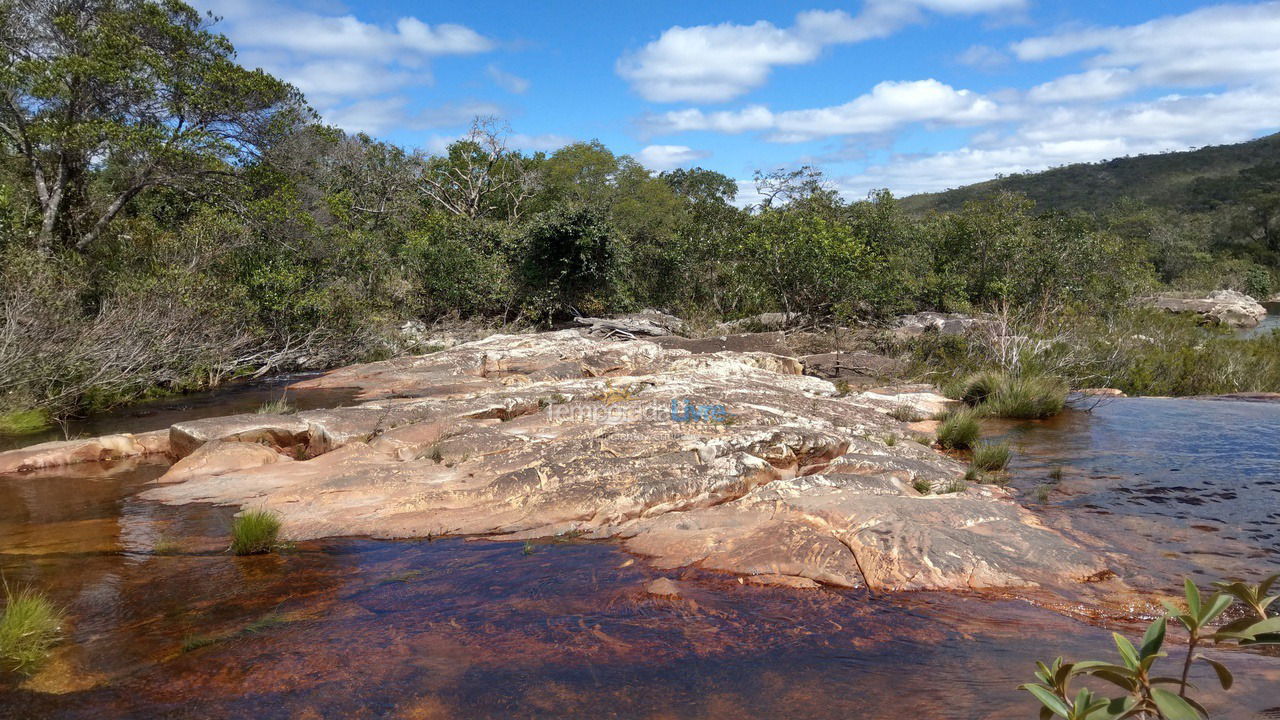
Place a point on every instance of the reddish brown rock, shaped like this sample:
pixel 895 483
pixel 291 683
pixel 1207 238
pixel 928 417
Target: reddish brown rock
pixel 72 452
pixel 219 457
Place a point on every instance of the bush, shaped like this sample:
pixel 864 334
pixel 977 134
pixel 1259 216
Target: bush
pixel 991 457
pixel 29 626
pixel 1028 398
pixel 254 532
pixel 976 388
pixel 959 430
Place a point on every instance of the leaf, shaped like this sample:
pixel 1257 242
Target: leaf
pixel 1173 707
pixel 1154 637
pixel 1127 650
pixel 1193 597
pixel 1224 675
pixel 1270 625
pixel 1048 699
pixel 1216 606
pixel 1265 586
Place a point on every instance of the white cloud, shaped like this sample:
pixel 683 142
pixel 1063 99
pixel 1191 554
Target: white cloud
pixel 889 105
pixel 507 81
pixel 1082 134
pixel 1218 45
pixel 378 115
pixel 669 157
pixel 983 57
pixel 714 63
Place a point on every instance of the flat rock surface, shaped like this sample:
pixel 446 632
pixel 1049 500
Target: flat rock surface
pixel 731 461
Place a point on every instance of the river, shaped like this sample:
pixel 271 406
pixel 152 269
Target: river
pixel 352 627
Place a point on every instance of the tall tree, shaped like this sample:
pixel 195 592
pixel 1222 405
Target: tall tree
pixel 133 93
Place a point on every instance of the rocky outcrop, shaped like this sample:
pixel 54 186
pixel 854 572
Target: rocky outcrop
pixel 644 323
pixel 941 323
pixel 732 461
pixel 1221 307
pixel 72 452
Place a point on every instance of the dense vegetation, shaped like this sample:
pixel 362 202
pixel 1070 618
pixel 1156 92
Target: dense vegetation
pixel 169 219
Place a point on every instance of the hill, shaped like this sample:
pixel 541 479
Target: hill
pixel 1191 181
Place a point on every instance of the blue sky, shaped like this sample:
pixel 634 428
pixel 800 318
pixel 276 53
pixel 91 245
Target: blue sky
pixel 913 95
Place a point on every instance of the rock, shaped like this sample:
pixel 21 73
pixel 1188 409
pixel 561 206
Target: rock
pixel 787 581
pixel 646 322
pixel 764 322
pixel 941 323
pixel 767 342
pixel 662 587
pixel 858 363
pixel 1221 307
pixel 283 431
pixel 1102 392
pixel 759 471
pixel 71 452
pixel 922 399
pixel 218 457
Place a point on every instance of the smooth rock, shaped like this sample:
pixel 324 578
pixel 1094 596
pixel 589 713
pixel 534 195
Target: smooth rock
pixel 1221 307
pixel 731 460
pixel 1102 392
pixel 71 452
pixel 767 342
pixel 858 363
pixel 218 457
pixel 280 430
pixel 662 587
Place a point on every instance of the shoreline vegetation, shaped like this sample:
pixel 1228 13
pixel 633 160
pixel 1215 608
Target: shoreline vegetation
pixel 144 252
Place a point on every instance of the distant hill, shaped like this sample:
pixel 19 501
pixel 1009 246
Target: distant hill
pixel 1190 181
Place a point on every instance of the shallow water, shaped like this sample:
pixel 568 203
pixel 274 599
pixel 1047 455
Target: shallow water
pixel 450 628
pixel 1268 324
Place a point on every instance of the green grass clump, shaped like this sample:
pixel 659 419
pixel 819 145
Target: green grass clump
pixel 974 475
pixel 254 532
pixel 905 413
pixel 29 626
pixel 24 422
pixel 1027 397
pixel 991 457
pixel 890 439
pixel 279 406
pixel 922 486
pixel 959 430
pixel 955 486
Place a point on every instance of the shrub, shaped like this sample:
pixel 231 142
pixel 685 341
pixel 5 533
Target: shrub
pixel 254 532
pixel 905 413
pixel 1027 398
pixel 991 456
pixel 29 626
pixel 959 430
pixel 978 387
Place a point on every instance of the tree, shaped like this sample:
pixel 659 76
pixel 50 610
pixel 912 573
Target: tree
pixel 479 176
pixel 126 95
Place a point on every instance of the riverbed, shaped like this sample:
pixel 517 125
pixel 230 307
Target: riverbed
pixel 352 627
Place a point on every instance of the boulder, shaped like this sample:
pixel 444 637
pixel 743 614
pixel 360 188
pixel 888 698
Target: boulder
pixel 941 323
pixel 71 452
pixel 282 431
pixel 643 323
pixel 1220 307
pixel 219 457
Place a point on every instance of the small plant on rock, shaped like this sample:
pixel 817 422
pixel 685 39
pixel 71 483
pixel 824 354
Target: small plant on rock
pixel 991 457
pixel 254 532
pixel 279 406
pixel 29 626
pixel 905 413
pixel 1146 693
pixel 922 486
pixel 959 430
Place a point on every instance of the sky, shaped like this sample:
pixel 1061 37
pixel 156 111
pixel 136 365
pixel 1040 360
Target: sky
pixel 909 95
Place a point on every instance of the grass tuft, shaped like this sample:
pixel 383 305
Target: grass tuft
pixel 254 532
pixel 922 486
pixel 905 413
pixel 890 440
pixel 955 486
pixel 29 626
pixel 959 430
pixel 279 406
pixel 991 457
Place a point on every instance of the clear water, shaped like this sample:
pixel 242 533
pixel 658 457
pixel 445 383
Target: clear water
pixel 351 627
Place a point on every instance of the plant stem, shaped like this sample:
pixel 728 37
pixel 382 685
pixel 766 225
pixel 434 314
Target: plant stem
pixel 1186 664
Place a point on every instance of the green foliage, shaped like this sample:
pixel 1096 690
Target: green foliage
pixel 254 532
pixel 922 486
pixel 571 263
pixel 24 422
pixel 959 430
pixel 991 457
pixel 29 626
pixel 905 413
pixel 279 406
pixel 1135 674
pixel 1027 397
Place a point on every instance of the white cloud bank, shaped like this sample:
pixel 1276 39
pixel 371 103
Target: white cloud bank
pixel 669 157
pixel 715 63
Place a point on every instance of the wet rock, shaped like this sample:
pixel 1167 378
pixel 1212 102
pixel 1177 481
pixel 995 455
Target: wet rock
pixel 662 587
pixel 219 457
pixel 280 430
pixel 1102 392
pixel 1221 307
pixel 72 452
pixel 787 581
pixel 730 460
